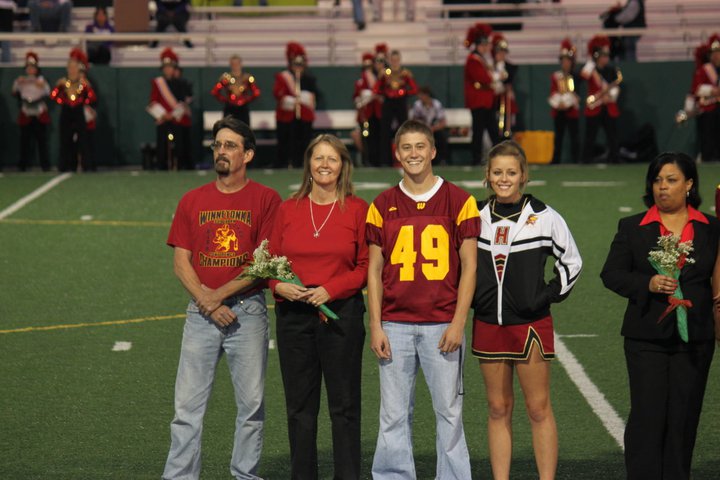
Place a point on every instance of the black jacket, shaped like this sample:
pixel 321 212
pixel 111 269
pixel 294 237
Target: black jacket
pixel 627 272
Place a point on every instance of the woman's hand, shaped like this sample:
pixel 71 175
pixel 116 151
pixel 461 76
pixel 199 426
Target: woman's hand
pixel 292 292
pixel 317 296
pixel 662 284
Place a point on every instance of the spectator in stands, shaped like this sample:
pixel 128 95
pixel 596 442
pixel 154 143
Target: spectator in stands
pixel 236 89
pixel 630 15
pixel 358 13
pixel 99 52
pixel 170 99
pixel 50 15
pixel 505 103
pixel 706 90
pixel 327 249
pixel 175 13
pixel 430 111
pixel 7 15
pixel 295 91
pixel 565 103
pixel 32 91
pixel 76 96
pixel 669 342
pixel 478 80
pixel 395 85
pixel 601 109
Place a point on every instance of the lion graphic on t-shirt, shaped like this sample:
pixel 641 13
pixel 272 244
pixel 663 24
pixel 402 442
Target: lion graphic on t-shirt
pixel 225 239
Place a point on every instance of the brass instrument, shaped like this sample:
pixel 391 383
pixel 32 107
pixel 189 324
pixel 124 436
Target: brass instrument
pixel 594 101
pixel 566 84
pixel 505 116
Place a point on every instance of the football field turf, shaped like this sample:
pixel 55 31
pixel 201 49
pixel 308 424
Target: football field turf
pixel 84 266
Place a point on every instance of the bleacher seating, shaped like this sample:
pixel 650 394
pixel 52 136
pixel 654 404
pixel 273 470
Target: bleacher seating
pixel 675 28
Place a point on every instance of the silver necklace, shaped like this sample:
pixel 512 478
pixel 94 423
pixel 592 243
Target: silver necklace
pixel 312 217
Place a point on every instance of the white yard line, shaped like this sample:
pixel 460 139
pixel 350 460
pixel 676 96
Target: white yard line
pixel 595 398
pixel 38 192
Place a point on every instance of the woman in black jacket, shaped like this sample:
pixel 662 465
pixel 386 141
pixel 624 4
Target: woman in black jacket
pixel 667 373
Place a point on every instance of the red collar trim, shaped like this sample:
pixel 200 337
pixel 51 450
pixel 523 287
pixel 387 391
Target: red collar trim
pixel 653 215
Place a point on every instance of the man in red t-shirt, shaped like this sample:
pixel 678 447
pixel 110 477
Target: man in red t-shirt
pixel 421 279
pixel 214 232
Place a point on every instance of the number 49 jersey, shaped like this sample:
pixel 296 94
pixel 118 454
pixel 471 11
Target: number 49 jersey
pixel 420 242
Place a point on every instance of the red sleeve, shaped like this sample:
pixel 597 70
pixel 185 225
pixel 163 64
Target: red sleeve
pixel 553 84
pixel 55 95
pixel 412 88
pixel 379 88
pixel 91 97
pixel 217 92
pixel 279 88
pixel 476 72
pixel 348 283
pixel 373 225
pixel 180 235
pixel 255 91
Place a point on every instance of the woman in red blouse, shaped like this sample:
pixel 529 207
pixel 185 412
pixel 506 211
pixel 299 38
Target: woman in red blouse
pixel 321 230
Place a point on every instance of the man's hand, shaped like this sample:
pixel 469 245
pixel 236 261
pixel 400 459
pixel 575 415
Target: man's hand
pixel 451 339
pixel 208 301
pixel 223 316
pixel 379 343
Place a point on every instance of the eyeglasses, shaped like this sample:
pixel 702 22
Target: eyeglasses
pixel 229 146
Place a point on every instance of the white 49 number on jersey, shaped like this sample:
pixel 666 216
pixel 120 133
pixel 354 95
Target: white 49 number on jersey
pixel 434 246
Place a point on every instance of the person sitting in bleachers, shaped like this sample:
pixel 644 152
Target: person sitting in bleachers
pixel 50 15
pixel 99 52
pixel 175 13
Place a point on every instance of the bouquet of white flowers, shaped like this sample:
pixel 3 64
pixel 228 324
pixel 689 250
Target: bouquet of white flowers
pixel 668 258
pixel 265 265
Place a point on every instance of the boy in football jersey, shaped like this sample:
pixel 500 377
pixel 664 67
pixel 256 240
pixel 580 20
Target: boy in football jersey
pixel 421 235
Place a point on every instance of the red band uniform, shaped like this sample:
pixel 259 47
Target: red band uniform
pixel 706 87
pixel 77 117
pixel 32 91
pixel 565 103
pixel 170 98
pixel 504 103
pixel 235 90
pixel 369 110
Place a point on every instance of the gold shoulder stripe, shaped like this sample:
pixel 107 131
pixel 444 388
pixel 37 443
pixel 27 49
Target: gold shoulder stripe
pixel 374 217
pixel 468 211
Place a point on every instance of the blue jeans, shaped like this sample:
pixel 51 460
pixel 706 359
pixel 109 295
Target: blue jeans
pixel 415 345
pixel 246 344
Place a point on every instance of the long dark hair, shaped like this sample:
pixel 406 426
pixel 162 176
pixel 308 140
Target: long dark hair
pixel 686 166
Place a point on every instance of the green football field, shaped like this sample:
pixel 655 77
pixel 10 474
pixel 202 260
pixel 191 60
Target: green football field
pixel 84 265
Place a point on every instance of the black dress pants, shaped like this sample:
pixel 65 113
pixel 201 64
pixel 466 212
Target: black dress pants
pixel 241 112
pixel 34 132
pixel 371 142
pixel 482 119
pixel 709 130
pixel 293 138
pixel 310 351
pixel 562 121
pixel 75 139
pixel 667 385
pixel 394 114
pixel 609 125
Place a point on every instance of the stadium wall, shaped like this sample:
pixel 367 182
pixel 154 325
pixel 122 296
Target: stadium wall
pixel 651 93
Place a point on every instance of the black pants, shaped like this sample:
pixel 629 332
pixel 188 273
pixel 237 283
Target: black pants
pixel 709 130
pixel 371 142
pixel 562 121
pixel 482 119
pixel 173 153
pixel 394 113
pixel 609 125
pixel 293 138
pixel 177 18
pixel 75 139
pixel 667 385
pixel 34 132
pixel 241 112
pixel 309 352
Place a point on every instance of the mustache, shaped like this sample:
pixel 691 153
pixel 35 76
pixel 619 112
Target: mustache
pixel 222 158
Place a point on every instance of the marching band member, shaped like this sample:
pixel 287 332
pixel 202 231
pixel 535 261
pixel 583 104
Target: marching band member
pixel 295 90
pixel 707 92
pixel 395 84
pixel 601 110
pixel 77 118
pixel 369 110
pixel 478 80
pixel 691 107
pixel 31 91
pixel 236 89
pixel 504 102
pixel 170 99
pixel 565 102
